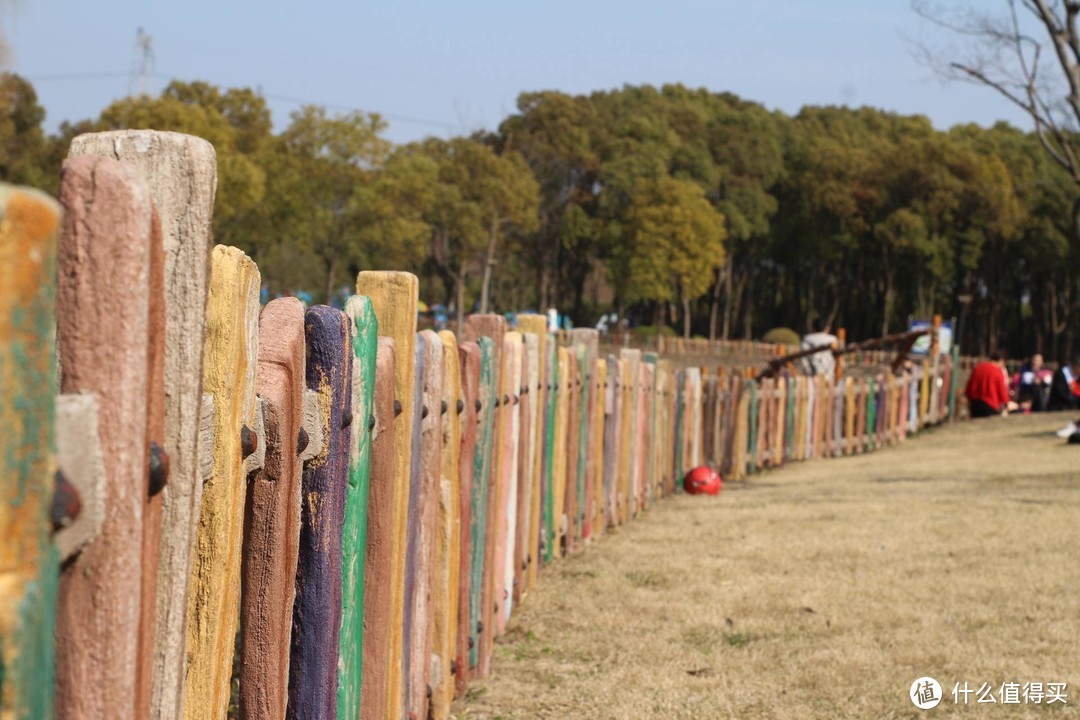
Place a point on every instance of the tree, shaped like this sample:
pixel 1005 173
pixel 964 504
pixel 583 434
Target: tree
pixel 24 148
pixel 480 199
pixel 674 243
pixel 1029 54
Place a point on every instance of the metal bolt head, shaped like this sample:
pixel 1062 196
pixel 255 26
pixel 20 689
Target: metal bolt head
pixel 66 504
pixel 460 406
pixel 444 407
pixel 478 405
pixel 301 441
pixel 249 441
pixel 423 412
pixel 397 408
pixel 371 423
pixel 159 469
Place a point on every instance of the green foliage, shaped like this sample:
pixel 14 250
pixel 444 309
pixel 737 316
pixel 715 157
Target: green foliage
pixel 671 204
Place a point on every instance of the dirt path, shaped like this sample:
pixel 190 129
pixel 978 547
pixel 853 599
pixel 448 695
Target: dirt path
pixel 822 590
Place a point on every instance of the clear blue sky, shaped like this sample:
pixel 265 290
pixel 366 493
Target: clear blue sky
pixel 438 67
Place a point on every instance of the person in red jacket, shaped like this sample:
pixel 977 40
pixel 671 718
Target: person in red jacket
pixel 987 391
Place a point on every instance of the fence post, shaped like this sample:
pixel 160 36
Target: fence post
pixel 181 174
pixel 363 345
pixel 102 333
pixel 478 592
pixel 448 536
pixel 394 296
pixel 379 552
pixel 29 222
pixel 573 432
pixel 272 520
pixel 229 362
pixel 469 361
pixel 523 471
pixel 506 518
pixel 534 328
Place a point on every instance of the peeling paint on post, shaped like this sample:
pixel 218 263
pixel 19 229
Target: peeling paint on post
pixel 534 327
pixel 429 428
pixel 272 516
pixel 103 275
pixel 316 633
pixel 508 492
pixel 448 535
pixel 469 362
pixel 378 564
pixel 181 174
pixel 29 223
pixel 394 296
pixel 481 476
pixel 362 345
pixel 229 364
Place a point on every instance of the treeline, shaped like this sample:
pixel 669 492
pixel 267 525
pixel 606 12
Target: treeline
pixel 670 206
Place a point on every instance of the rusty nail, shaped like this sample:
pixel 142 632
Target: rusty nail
pixel 444 407
pixel 397 408
pixel 471 643
pixel 479 628
pixel 301 441
pixel 460 406
pixel 506 399
pixel 66 504
pixel 423 412
pixel 371 423
pixel 159 468
pixel 453 667
pixel 249 441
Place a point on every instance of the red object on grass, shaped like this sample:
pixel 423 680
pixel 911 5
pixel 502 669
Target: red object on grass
pixel 702 480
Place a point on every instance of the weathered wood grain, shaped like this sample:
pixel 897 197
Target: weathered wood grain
pixel 534 328
pixel 413 581
pixel 508 488
pixel 599 522
pixel 102 332
pixel 573 431
pixel 379 552
pixel 632 388
pixel 155 443
pixel 272 516
pixel 316 631
pixel 624 389
pixel 229 363
pixel 479 526
pixel 494 327
pixel 363 344
pixel 446 593
pixel 611 441
pixel 181 174
pixel 469 360
pixel 562 418
pixel 551 393
pixel 29 225
pixel 394 296
pixel 588 339
pixel 526 444
pixel 430 380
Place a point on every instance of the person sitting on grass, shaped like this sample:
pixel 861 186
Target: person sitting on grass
pixel 1062 396
pixel 987 392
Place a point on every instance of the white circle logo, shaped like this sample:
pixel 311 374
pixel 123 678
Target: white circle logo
pixel 925 693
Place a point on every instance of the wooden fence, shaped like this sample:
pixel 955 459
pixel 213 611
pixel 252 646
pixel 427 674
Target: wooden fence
pixel 277 512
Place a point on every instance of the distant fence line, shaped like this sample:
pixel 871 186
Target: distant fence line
pixel 367 505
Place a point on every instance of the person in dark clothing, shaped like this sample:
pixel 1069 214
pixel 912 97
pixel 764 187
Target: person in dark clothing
pixel 987 390
pixel 1062 396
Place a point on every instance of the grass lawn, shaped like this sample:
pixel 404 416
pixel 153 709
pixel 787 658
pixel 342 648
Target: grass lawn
pixel 820 590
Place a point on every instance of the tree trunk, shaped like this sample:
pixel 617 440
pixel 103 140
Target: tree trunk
pixel 331 273
pixel 459 292
pixel 728 289
pixel 686 317
pixel 714 304
pixel 489 263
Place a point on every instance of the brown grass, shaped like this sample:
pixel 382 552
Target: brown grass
pixel 821 590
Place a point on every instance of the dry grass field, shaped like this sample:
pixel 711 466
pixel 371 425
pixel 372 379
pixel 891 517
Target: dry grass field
pixel 821 590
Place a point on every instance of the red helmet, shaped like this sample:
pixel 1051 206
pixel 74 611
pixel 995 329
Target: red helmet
pixel 702 480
